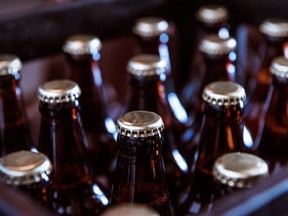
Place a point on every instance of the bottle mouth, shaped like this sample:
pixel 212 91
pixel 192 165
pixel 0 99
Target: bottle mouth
pixel 140 124
pixel 224 93
pixel 146 65
pixel 82 44
pixel 59 91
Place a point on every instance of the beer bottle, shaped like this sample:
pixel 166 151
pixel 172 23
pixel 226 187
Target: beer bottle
pixel 147 92
pixel 276 38
pixel 219 65
pixel 210 19
pixel 83 57
pixel 140 171
pixel 152 34
pixel 28 172
pixel 238 170
pixel 273 136
pixel 63 140
pixel 130 210
pixel 222 131
pixel 15 134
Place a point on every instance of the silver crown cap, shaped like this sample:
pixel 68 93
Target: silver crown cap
pixel 130 210
pixel 9 64
pixel 212 44
pixel 150 26
pixel 59 91
pixel 279 66
pixel 146 65
pixel 274 27
pixel 240 170
pixel 140 124
pixel 24 167
pixel 82 44
pixel 212 14
pixel 224 93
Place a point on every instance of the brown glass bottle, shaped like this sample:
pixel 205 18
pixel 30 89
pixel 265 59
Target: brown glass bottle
pixel 222 131
pixel 218 66
pixel 27 172
pixel 152 34
pixel 273 137
pixel 140 171
pixel 147 92
pixel 276 35
pixel 15 134
pixel 63 140
pixel 83 57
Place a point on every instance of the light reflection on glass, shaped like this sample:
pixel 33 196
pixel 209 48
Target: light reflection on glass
pixel 180 160
pixel 177 108
pixel 100 194
pixel 248 141
pixel 223 33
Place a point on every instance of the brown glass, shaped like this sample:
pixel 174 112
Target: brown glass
pixel 147 93
pixel 15 134
pixel 85 70
pixel 62 139
pixel 259 84
pixel 274 133
pixel 214 69
pixel 140 174
pixel 222 132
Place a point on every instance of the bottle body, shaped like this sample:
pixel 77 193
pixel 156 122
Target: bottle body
pixel 62 138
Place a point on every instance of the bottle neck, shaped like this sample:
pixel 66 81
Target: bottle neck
pixel 217 67
pixel 85 70
pixel 148 93
pixel 157 45
pixel 233 112
pixel 62 136
pixel 273 47
pixel 140 147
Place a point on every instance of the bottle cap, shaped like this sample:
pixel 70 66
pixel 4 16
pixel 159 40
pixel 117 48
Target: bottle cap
pixel 130 210
pixel 82 44
pixel 279 66
pixel 224 93
pixel 214 45
pixel 59 91
pixel 140 124
pixel 274 27
pixel 146 65
pixel 9 64
pixel 24 167
pixel 240 170
pixel 150 26
pixel 212 14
